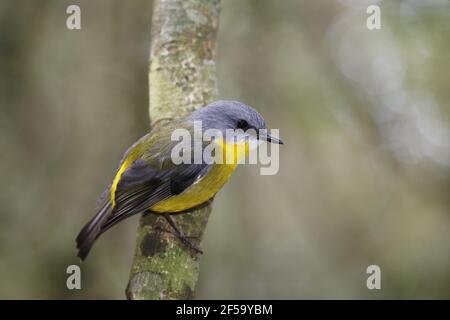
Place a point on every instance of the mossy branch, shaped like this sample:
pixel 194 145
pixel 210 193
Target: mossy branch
pixel 182 78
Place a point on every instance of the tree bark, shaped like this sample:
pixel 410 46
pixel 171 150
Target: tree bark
pixel 182 78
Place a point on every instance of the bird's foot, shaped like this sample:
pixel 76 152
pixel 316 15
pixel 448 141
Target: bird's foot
pixel 180 234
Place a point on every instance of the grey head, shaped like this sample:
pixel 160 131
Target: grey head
pixel 224 115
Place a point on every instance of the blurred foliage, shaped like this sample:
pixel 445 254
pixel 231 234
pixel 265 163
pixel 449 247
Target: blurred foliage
pixel 364 174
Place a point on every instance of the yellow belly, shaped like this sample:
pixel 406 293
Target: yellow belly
pixel 199 192
pixel 208 186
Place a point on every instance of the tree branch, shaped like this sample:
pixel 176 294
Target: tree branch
pixel 182 78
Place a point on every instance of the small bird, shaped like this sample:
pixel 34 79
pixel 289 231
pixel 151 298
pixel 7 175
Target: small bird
pixel 148 181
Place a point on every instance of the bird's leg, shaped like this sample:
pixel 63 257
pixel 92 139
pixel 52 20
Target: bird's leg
pixel 176 231
pixel 180 234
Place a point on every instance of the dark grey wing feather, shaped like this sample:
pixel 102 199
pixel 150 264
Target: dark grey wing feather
pixel 91 231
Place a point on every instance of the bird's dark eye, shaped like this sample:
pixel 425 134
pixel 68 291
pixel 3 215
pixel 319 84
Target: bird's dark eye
pixel 242 124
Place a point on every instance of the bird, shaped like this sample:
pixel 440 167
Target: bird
pixel 149 181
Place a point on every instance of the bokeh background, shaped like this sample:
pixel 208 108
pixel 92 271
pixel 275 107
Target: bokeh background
pixel 364 174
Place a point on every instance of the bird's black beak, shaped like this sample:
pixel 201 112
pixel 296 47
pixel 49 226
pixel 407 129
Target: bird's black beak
pixel 267 137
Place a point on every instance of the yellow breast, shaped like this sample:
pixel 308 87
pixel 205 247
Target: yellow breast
pixel 205 188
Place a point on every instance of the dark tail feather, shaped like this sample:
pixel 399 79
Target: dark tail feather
pixel 91 231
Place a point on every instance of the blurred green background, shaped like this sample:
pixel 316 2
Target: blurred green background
pixel 364 174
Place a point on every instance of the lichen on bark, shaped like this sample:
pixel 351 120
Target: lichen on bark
pixel 182 78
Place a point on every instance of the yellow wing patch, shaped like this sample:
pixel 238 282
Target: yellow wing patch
pixel 134 154
pixel 121 170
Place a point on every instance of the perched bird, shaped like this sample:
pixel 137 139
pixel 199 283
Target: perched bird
pixel 148 180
